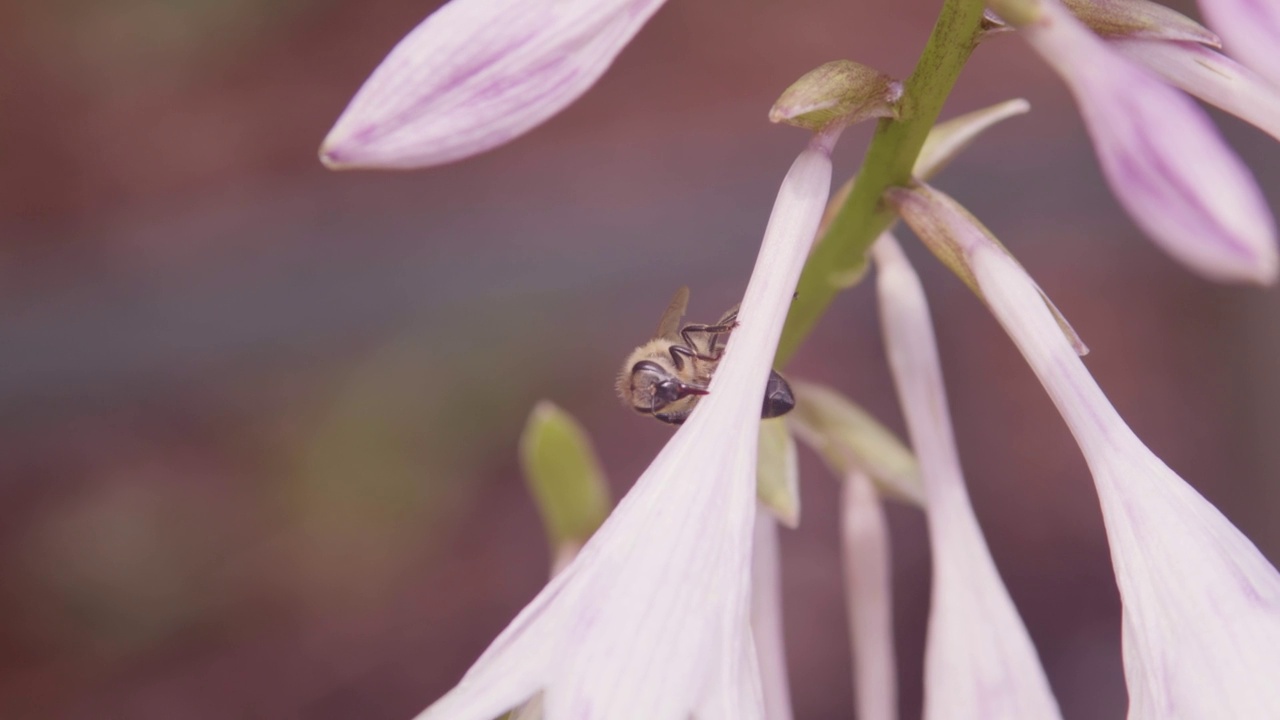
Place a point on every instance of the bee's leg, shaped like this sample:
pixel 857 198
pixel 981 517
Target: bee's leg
pixel 711 333
pixel 678 355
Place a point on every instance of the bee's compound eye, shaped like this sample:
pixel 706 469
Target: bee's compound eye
pixel 650 383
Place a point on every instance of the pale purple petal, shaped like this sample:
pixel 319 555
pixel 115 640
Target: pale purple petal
pixel 980 663
pixel 766 618
pixel 476 74
pixel 1201 604
pixel 1250 31
pixel 1212 77
pixel 868 592
pixel 651 619
pixel 736 694
pixel 1162 156
pixel 515 665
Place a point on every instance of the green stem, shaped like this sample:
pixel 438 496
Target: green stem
pixel 840 254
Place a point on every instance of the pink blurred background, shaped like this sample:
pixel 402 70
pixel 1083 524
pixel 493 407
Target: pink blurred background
pixel 258 420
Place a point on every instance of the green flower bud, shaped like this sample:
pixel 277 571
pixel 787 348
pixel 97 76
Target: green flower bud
pixel 564 476
pixel 1140 19
pixel 777 472
pixel 839 93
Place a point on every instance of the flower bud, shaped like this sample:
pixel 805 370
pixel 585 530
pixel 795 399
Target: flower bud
pixel 1140 19
pixel 564 477
pixel 837 94
pixel 778 473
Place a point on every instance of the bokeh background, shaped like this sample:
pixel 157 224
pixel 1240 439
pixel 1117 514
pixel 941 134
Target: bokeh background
pixel 258 420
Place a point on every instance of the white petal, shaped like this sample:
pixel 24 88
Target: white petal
pixel 514 666
pixel 1162 156
pixel 1201 604
pixel 478 73
pixel 651 619
pixel 979 660
pixel 1250 31
pixel 766 618
pixel 1212 77
pixel 868 586
pixel 736 694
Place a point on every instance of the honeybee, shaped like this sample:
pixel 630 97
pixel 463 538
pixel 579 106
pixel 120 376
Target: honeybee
pixel 666 376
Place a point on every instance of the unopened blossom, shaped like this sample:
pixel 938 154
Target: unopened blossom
pixel 1250 31
pixel 651 619
pixel 1161 155
pixel 980 663
pixel 1139 20
pixel 840 91
pixel 868 586
pixel 476 74
pixel 566 480
pixel 1201 604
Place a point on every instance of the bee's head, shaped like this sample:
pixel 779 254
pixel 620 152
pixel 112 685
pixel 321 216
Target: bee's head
pixel 654 388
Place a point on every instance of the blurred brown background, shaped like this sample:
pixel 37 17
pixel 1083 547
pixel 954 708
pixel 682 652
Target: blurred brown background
pixel 258 420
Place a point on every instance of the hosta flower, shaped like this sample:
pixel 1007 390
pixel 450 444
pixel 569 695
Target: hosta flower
pixel 979 660
pixel 651 618
pixel 1251 31
pixel 1161 155
pixel 1201 605
pixel 476 74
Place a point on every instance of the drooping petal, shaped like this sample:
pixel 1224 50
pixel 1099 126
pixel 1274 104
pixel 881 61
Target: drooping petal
pixel 980 662
pixel 651 619
pixel 868 592
pixel 1201 604
pixel 1250 30
pixel 766 618
pixel 476 74
pixel 1212 77
pixel 1162 157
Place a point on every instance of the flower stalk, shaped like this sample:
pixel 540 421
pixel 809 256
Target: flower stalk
pixel 889 161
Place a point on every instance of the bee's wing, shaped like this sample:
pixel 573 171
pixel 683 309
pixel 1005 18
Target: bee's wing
pixel 669 325
pixel 729 316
